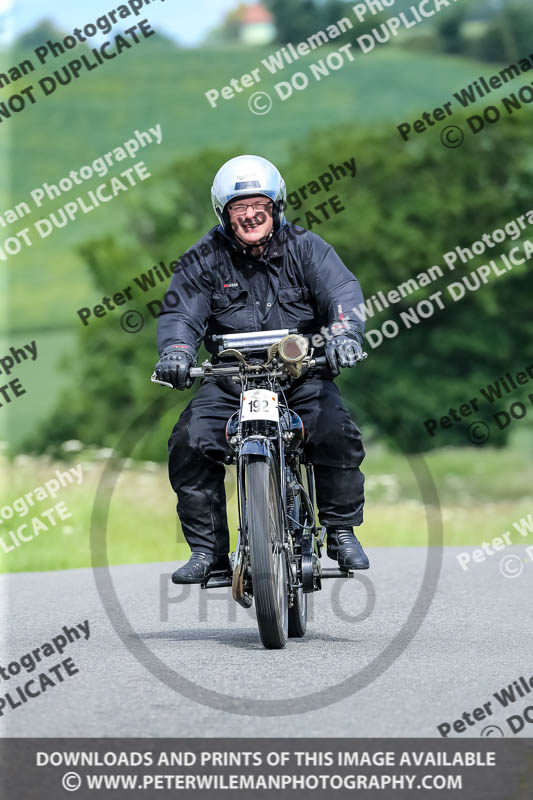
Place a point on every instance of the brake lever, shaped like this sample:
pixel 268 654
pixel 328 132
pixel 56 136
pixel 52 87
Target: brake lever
pixel 161 383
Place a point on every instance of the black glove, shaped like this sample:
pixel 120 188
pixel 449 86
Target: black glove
pixel 343 350
pixel 174 364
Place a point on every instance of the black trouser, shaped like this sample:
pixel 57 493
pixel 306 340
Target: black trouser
pixel 197 447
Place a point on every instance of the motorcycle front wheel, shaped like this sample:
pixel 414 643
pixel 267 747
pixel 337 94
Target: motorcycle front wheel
pixel 267 558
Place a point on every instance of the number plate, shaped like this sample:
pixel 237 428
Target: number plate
pixel 259 404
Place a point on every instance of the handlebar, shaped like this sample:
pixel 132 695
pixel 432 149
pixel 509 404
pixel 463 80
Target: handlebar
pixel 233 369
pixel 251 342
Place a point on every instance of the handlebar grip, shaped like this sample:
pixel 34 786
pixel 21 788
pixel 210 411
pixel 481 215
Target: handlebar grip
pixel 320 361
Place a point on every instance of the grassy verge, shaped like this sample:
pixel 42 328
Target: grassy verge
pixel 480 498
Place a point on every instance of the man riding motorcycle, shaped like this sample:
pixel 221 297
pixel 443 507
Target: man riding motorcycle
pixel 256 271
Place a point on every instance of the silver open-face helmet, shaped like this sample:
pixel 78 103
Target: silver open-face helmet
pixel 244 176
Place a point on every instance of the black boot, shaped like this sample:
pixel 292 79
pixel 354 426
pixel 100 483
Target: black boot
pixel 345 548
pixel 199 566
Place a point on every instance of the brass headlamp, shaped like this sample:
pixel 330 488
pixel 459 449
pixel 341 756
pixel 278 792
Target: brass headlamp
pixel 292 349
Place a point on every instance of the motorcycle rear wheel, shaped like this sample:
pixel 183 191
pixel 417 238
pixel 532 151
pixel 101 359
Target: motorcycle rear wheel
pixel 298 610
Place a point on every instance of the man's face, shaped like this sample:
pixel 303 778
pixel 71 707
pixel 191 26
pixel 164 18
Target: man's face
pixel 251 218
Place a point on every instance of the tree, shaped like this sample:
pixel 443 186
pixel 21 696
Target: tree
pixel 449 31
pixel 230 29
pixel 40 33
pixel 508 34
pixel 298 19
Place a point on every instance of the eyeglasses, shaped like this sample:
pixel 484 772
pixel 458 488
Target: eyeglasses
pixel 242 209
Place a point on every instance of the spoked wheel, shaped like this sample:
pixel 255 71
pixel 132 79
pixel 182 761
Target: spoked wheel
pixel 267 557
pixel 298 610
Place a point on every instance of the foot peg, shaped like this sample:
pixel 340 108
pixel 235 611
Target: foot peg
pixel 338 573
pixel 217 579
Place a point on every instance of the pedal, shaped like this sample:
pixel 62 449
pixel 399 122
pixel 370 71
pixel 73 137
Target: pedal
pixel 338 573
pixel 217 579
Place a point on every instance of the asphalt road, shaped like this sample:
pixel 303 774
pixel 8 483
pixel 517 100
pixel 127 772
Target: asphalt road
pixel 475 639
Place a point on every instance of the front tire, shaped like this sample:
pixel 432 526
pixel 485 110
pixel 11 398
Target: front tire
pixel 267 557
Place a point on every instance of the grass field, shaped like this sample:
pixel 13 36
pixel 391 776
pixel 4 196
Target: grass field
pixel 167 85
pixel 476 504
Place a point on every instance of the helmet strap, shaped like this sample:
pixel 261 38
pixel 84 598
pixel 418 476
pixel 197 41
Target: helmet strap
pixel 276 217
pixel 226 221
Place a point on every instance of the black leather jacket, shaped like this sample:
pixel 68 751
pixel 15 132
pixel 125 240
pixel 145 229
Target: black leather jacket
pixel 298 282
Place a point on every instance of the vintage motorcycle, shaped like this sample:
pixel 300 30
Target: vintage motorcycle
pixel 276 562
